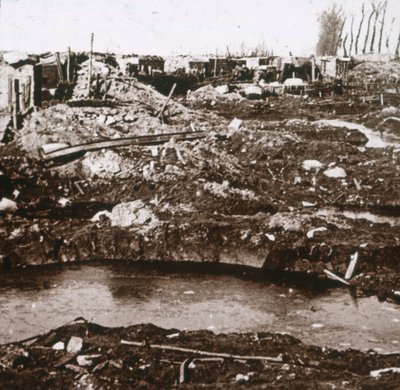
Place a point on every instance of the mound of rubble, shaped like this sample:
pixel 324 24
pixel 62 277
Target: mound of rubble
pixel 87 355
pixel 375 72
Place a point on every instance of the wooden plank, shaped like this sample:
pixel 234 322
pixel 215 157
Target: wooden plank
pixel 16 107
pixel 10 94
pixel 277 359
pixel 140 140
pixel 166 102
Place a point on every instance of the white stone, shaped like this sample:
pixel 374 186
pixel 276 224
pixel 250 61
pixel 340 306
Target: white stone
pixel 308 165
pixel 235 124
pixel 131 213
pixel 59 346
pixel 335 173
pixel 74 344
pixel 222 89
pixel 7 205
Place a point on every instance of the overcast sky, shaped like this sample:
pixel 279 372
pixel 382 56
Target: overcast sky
pixel 167 26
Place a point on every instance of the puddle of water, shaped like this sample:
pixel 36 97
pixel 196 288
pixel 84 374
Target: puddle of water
pixel 375 138
pixel 355 215
pixel 124 294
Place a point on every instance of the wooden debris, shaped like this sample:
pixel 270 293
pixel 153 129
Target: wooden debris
pixel 277 359
pixel 166 102
pixel 184 371
pixel 357 184
pixel 333 276
pixel 352 266
pixel 138 140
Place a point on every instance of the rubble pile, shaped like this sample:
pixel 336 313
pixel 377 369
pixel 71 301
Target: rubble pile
pixel 375 72
pixel 87 355
pixel 211 95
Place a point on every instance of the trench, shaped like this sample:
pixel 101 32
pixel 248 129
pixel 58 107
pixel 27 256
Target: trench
pixel 34 300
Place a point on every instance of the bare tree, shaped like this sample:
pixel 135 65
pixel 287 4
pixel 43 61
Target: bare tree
pixel 378 9
pixel 344 45
pixel 382 26
pixel 351 35
pixel 368 28
pixel 331 23
pixel 360 27
pixel 397 52
pixel 389 34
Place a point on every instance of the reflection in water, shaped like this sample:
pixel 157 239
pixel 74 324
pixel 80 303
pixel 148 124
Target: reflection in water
pixel 124 294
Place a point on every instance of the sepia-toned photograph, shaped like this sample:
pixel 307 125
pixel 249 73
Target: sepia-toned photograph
pixel 199 194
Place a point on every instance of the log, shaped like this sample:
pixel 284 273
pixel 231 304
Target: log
pixel 277 359
pixel 166 102
pixel 139 140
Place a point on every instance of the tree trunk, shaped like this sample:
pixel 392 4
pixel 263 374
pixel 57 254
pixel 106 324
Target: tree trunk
pixel 388 35
pixel 397 47
pixel 368 28
pixel 382 26
pixel 344 45
pixel 339 38
pixel 378 10
pixel 359 27
pixel 351 35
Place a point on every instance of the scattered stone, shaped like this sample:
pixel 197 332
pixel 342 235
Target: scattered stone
pixel 74 344
pixel 240 378
pixel 309 165
pixel 59 346
pixel 235 124
pixel 222 89
pixel 335 173
pixel 7 205
pixel 86 360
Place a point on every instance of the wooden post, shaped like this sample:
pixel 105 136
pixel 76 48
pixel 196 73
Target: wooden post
pixel 105 88
pixel 22 97
pixel 313 69
pixel 59 67
pixel 90 64
pixel 97 85
pixel 10 94
pixel 215 63
pixel 29 100
pixel 16 104
pixel 166 102
pixel 382 101
pixel 69 65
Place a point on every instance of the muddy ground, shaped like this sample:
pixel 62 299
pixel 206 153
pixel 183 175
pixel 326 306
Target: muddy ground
pixel 270 191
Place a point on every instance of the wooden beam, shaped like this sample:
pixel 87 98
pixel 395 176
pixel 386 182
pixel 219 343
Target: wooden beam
pixel 16 107
pixel 90 64
pixel 69 65
pixel 10 94
pixel 166 102
pixel 139 140
pixel 277 359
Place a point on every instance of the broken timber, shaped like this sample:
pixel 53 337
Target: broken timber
pixel 143 140
pixel 277 359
